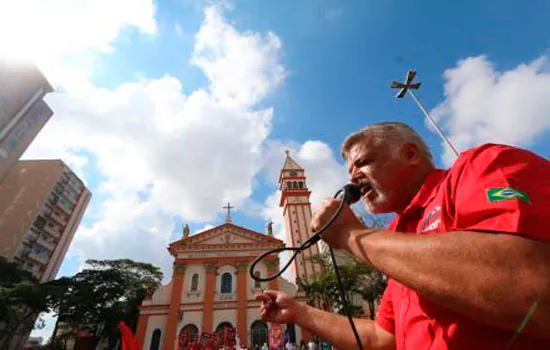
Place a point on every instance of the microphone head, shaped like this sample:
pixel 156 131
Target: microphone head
pixel 352 193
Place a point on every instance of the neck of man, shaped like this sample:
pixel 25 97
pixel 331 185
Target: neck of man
pixel 417 180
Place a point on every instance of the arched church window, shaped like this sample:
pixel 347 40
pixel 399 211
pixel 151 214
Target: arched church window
pixel 300 184
pixel 294 184
pixel 257 284
pixel 258 331
pixel 227 281
pixel 189 332
pixel 195 282
pixel 155 340
pixel 223 326
pixel 289 185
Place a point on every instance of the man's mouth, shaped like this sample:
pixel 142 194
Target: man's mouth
pixel 365 190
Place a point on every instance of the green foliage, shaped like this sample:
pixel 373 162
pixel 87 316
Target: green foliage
pixel 21 300
pixel 107 292
pixel 360 282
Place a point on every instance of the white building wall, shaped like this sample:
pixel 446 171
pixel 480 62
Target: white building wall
pixel 187 296
pixel 224 316
pixel 161 296
pixel 155 321
pixel 251 316
pixel 251 283
pixel 189 317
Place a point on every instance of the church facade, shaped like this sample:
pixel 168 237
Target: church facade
pixel 211 288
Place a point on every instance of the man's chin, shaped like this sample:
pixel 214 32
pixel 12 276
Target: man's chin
pixel 375 208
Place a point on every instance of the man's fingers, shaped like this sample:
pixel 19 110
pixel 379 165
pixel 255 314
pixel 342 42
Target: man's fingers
pixel 271 293
pixel 261 297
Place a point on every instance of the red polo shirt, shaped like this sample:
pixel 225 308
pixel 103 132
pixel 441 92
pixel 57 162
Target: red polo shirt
pixel 489 188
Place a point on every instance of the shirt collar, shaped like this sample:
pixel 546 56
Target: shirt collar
pixel 427 190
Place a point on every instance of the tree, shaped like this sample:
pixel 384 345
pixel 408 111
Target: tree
pixel 107 292
pixel 22 299
pixel 359 280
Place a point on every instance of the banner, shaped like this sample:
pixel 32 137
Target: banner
pixel 128 340
pixel 276 336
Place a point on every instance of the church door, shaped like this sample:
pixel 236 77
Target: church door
pixel 259 333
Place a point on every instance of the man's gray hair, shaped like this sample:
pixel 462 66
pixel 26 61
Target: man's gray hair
pixel 387 133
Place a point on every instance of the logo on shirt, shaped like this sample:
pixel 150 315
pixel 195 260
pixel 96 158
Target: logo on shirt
pixel 431 221
pixel 506 193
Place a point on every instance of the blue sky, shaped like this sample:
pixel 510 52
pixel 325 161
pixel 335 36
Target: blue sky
pixel 171 108
pixel 340 58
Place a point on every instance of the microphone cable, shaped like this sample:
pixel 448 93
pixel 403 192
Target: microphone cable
pixel 350 194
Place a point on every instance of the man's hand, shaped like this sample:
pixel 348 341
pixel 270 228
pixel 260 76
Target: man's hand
pixel 277 307
pixel 338 233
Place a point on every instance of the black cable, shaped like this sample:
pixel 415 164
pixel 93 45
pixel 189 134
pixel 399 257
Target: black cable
pixel 346 198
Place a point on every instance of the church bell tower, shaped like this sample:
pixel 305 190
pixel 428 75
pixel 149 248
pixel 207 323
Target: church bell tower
pixel 297 215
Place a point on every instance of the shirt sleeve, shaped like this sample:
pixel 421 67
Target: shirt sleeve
pixel 385 317
pixel 503 189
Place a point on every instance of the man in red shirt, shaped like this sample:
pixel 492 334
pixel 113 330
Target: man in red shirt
pixel 467 255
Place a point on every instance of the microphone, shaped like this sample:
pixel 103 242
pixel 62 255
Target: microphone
pixel 352 193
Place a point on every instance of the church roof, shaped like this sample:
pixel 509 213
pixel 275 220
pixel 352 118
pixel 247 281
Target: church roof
pixel 290 164
pixel 225 235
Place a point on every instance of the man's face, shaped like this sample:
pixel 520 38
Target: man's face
pixel 381 172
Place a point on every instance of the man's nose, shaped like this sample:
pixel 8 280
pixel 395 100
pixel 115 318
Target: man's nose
pixel 355 175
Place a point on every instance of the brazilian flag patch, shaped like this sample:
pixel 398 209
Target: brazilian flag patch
pixel 506 193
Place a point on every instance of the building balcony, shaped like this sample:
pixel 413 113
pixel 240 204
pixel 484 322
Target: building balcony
pixel 61 219
pixel 31 236
pixel 23 252
pixel 46 243
pixel 52 231
pixel 43 259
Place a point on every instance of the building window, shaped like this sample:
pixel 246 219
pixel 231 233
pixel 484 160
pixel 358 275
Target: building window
pixel 53 198
pixel 227 281
pixel 300 184
pixel 226 329
pixel 257 284
pixel 195 282
pixel 258 331
pixel 294 184
pixel 155 340
pixel 189 332
pixel 39 222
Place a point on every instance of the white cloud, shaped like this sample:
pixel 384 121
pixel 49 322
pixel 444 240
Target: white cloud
pixel 484 105
pixel 334 14
pixel 60 33
pixel 190 153
pixel 241 67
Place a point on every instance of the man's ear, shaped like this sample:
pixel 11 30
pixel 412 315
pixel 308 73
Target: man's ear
pixel 411 154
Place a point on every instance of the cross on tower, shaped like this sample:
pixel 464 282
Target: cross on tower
pixel 228 207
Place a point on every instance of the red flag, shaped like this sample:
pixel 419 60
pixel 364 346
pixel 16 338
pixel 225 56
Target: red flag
pixel 276 336
pixel 128 340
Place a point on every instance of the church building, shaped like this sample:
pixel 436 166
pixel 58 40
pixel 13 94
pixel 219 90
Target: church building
pixel 211 288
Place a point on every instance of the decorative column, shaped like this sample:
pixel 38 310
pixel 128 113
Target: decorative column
pixel 175 298
pixel 209 289
pixel 272 268
pixel 242 301
pixel 141 329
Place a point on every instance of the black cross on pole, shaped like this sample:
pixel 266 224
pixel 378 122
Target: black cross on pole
pixel 408 86
pixel 228 207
